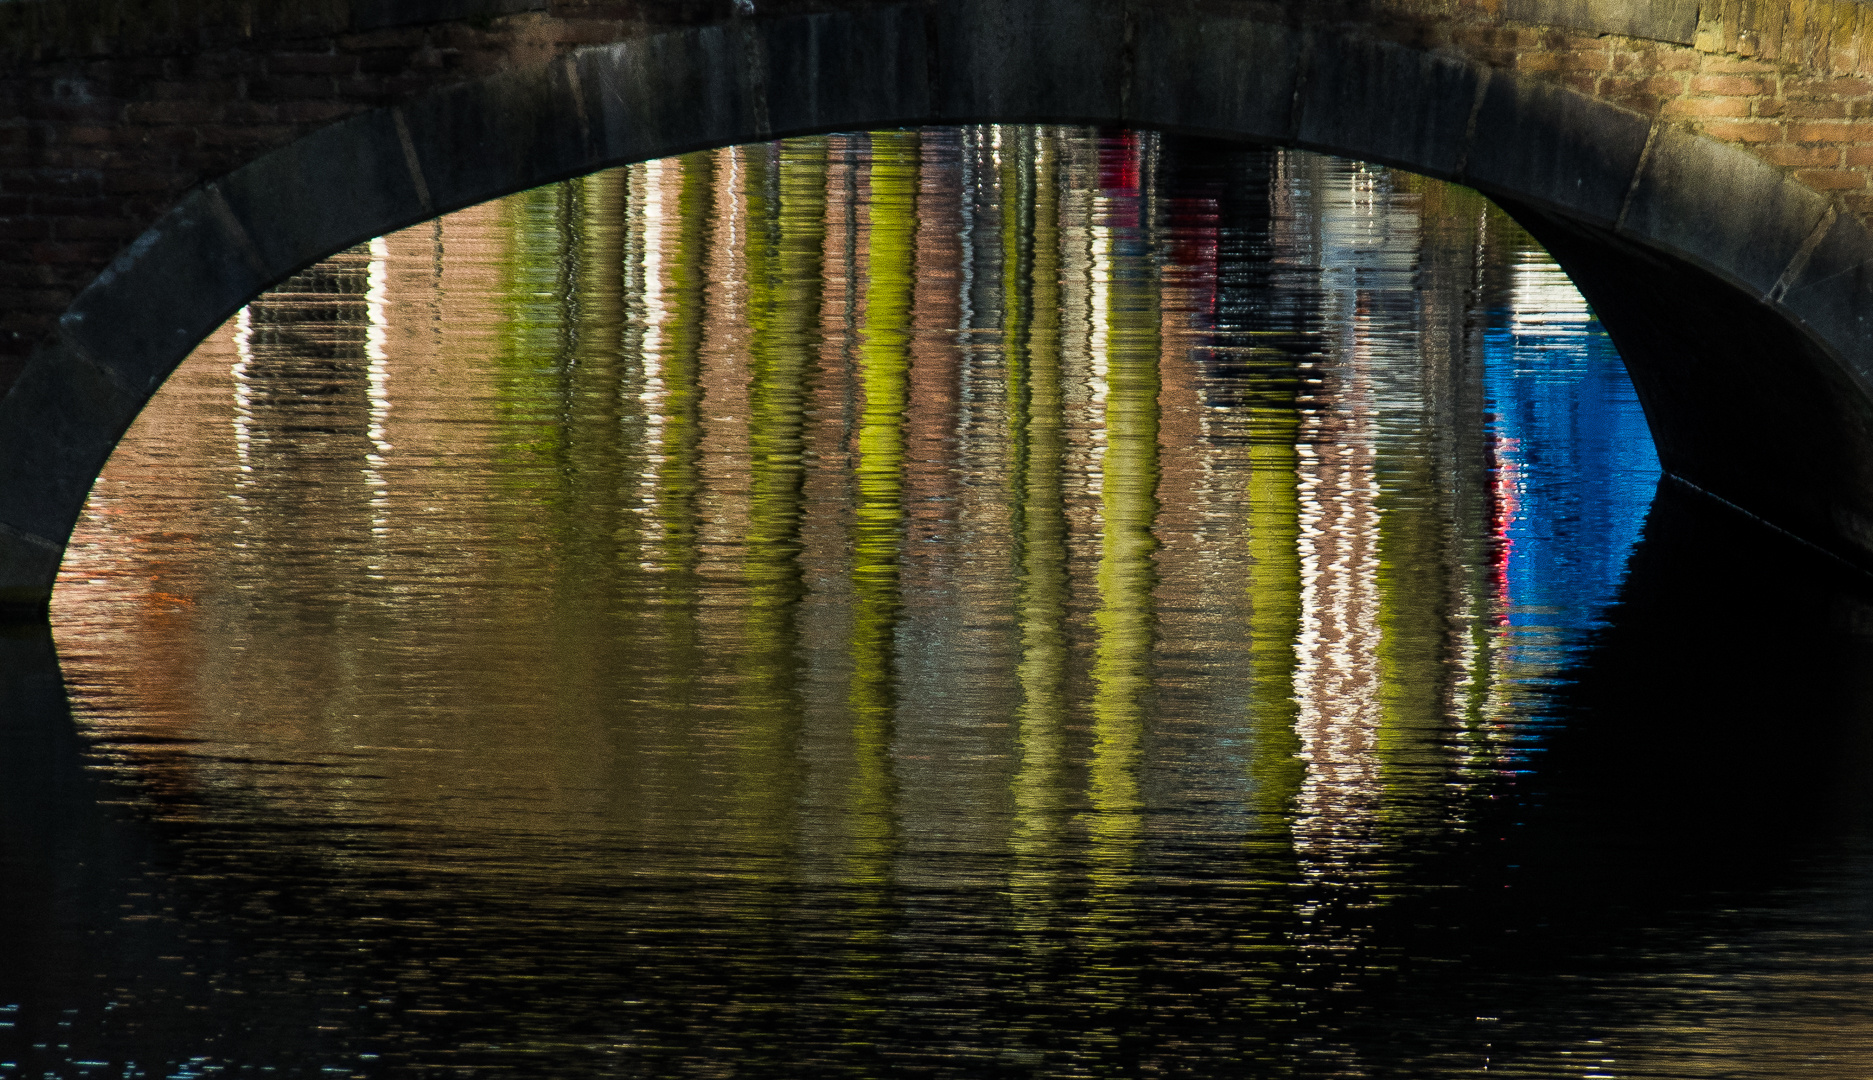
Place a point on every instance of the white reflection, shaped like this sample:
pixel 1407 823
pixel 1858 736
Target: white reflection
pixel 243 389
pixel 377 382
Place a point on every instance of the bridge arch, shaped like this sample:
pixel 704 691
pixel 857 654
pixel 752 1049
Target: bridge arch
pixel 1739 297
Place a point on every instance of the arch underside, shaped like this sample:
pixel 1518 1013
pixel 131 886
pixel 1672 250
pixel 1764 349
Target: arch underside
pixel 1737 297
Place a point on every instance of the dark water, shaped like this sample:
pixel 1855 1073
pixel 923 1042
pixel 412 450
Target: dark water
pixel 998 602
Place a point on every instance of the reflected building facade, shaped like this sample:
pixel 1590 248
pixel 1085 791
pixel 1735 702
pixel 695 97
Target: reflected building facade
pixel 1019 508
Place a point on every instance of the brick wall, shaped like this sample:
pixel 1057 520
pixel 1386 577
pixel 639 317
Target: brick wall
pixel 1816 125
pixel 98 138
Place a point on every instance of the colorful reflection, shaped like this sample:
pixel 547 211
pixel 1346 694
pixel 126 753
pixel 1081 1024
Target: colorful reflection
pixel 784 583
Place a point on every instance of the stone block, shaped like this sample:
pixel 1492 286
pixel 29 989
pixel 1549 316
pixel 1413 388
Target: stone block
pixel 1805 157
pixel 866 68
pixel 1826 131
pixel 1554 148
pixel 163 294
pixel 291 87
pixel 296 63
pixel 506 133
pixel 379 14
pixel 154 181
pixel 313 111
pixel 1745 131
pixel 325 192
pixel 1692 108
pixel 174 112
pixel 1032 61
pixel 672 92
pixel 248 111
pixel 1661 20
pixel 1812 110
pixel 1228 78
pixel 1386 103
pixel 1828 88
pixel 1585 84
pixel 1832 179
pixel 1590 59
pixel 25 227
pixel 1831 296
pixel 1722 207
pixel 114 229
pixel 72 252
pixel 1720 62
pixel 58 425
pixel 1733 85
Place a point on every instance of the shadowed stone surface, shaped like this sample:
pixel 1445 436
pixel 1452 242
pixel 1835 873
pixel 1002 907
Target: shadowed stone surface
pixel 809 63
pixel 516 131
pixel 1192 75
pixel 359 162
pixel 1585 164
pixel 1406 107
pixel 180 279
pixel 1674 207
pixel 687 89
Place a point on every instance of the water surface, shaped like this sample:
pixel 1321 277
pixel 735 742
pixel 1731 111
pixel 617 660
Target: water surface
pixel 968 602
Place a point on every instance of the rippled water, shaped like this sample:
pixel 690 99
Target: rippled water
pixel 982 602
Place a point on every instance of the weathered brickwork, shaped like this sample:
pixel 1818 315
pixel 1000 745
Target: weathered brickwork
pixel 1815 124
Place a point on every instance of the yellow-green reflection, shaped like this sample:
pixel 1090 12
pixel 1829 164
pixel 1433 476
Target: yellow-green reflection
pixel 1035 411
pixel 1126 576
pixel 784 274
pixel 884 352
pixel 1016 183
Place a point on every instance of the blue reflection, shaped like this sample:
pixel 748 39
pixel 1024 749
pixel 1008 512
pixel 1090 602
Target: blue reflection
pixel 1574 470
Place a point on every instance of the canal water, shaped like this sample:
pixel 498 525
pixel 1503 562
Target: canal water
pixel 980 602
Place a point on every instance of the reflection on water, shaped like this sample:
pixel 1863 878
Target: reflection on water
pixel 997 601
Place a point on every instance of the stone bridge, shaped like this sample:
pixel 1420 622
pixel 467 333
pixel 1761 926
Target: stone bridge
pixel 1700 167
